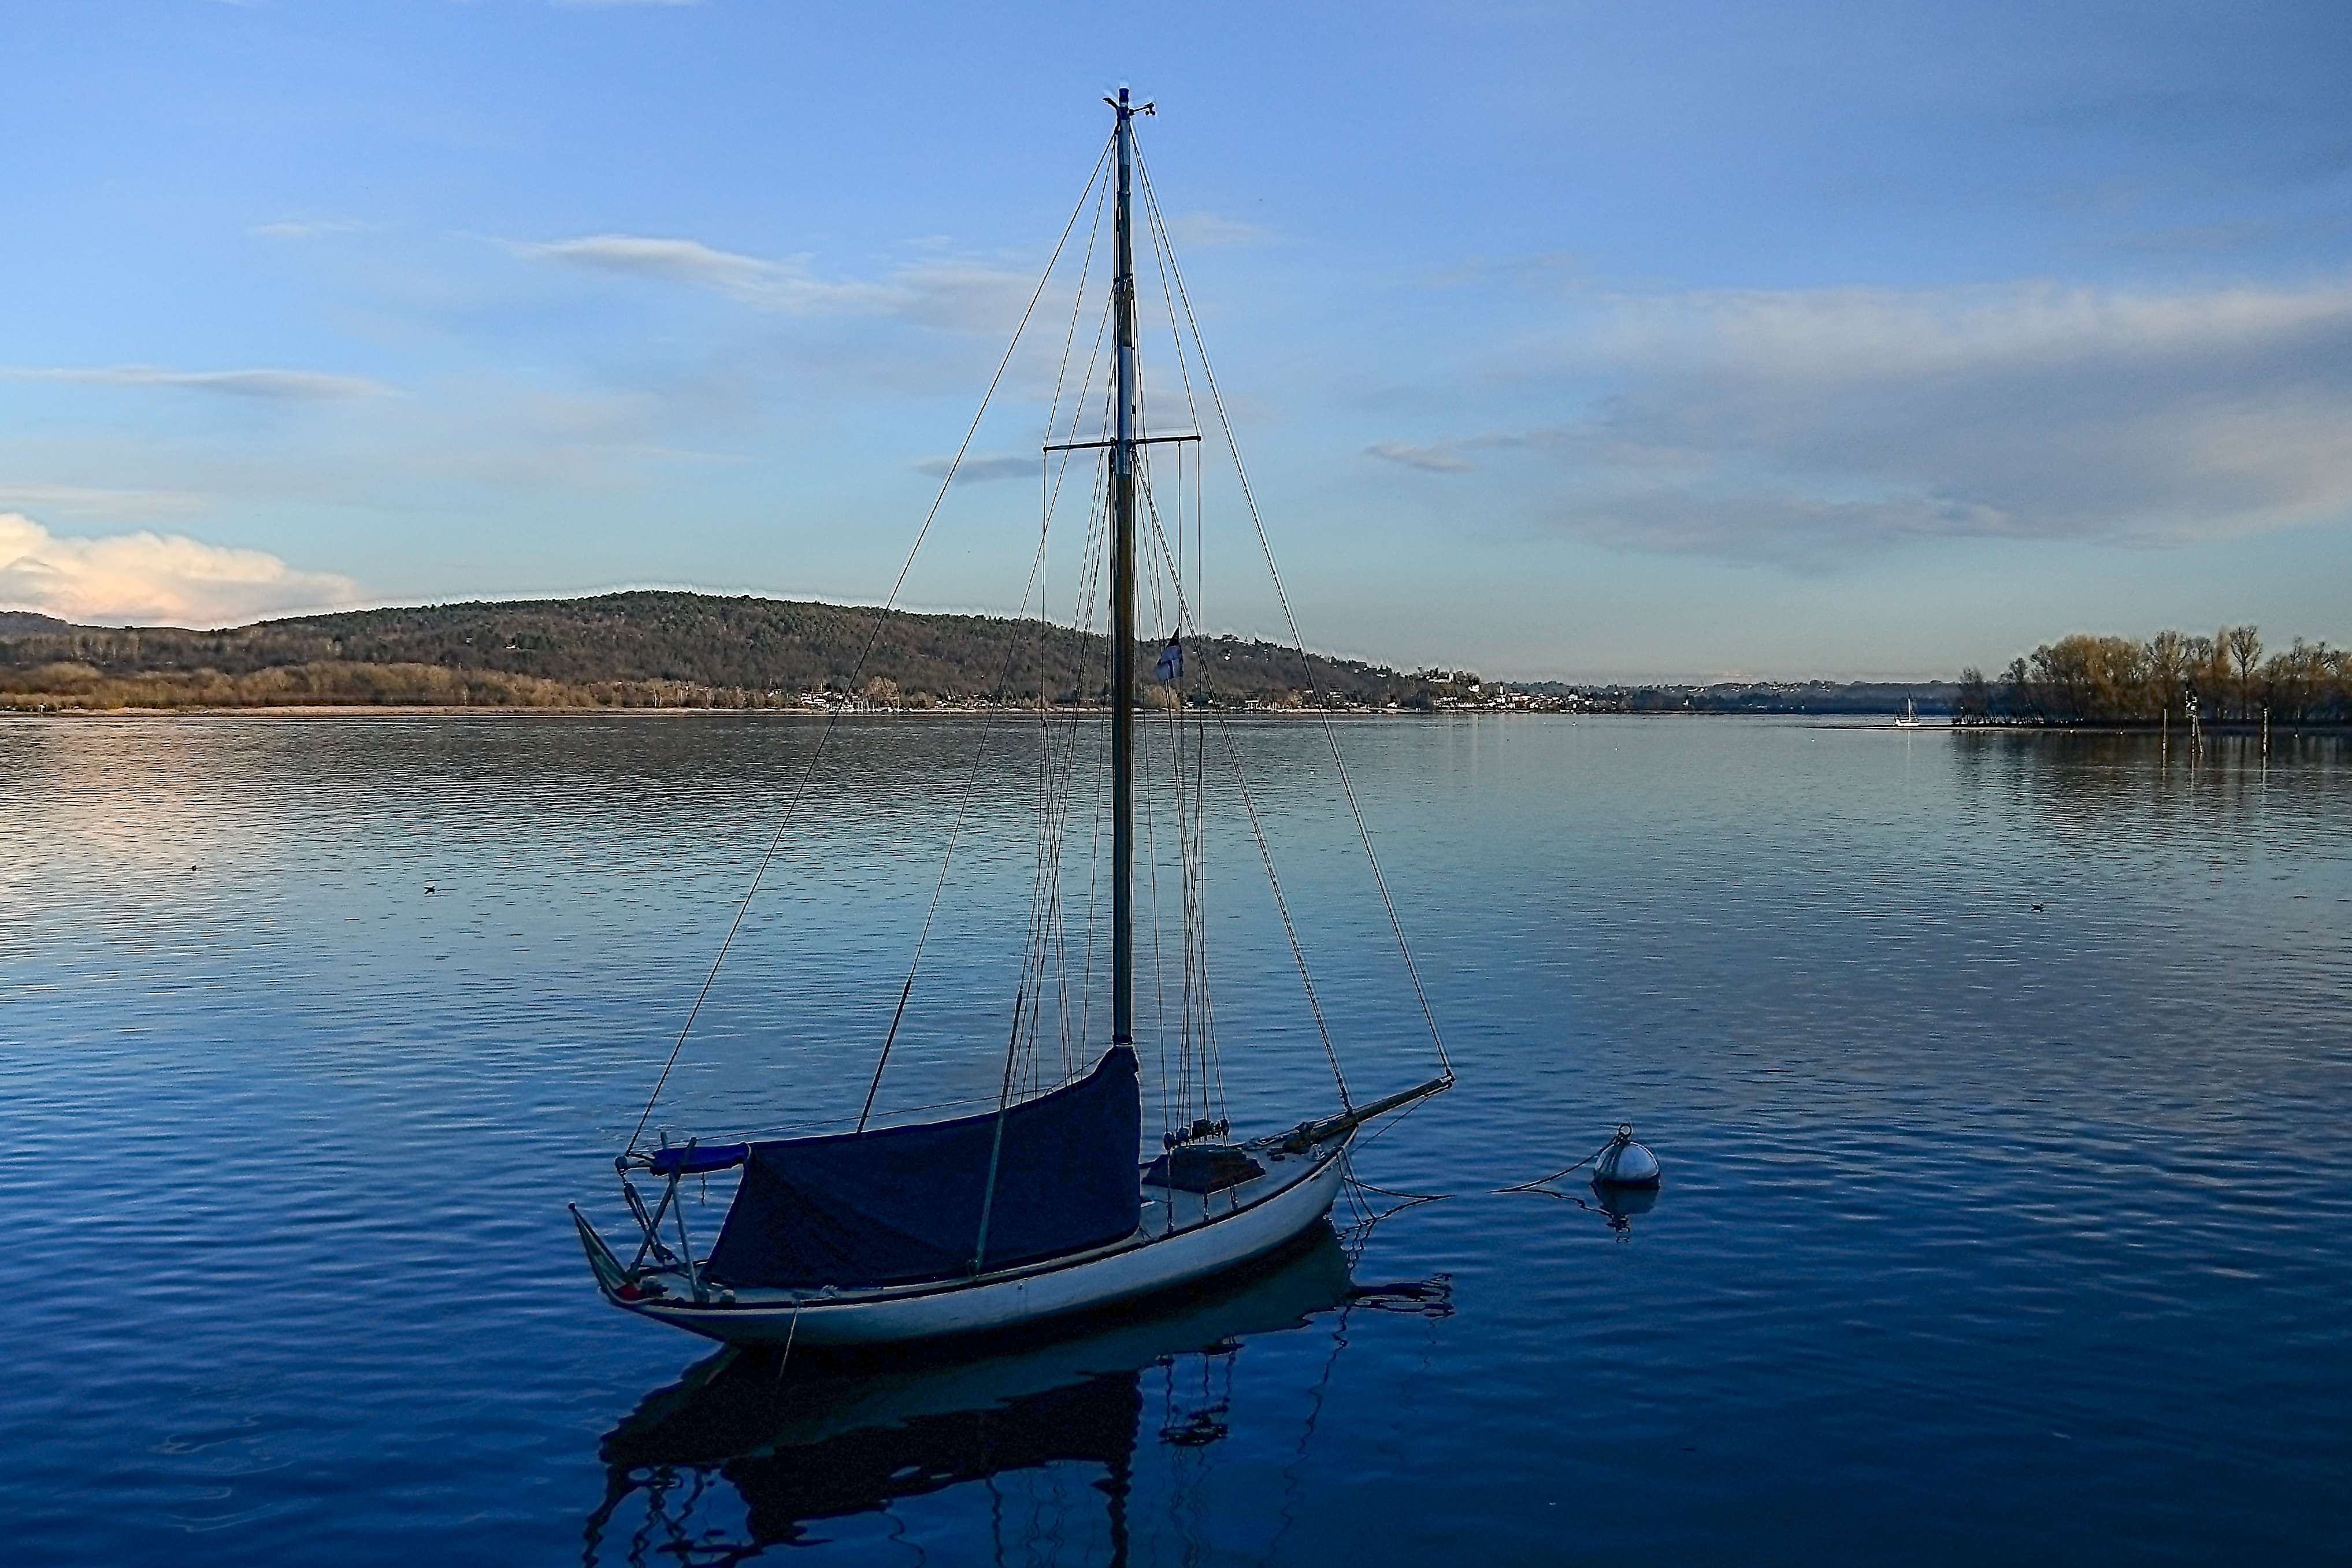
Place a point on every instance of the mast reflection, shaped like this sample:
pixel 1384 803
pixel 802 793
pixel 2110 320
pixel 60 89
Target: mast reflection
pixel 831 1437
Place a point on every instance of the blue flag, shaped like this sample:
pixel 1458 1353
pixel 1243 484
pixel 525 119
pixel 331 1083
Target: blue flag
pixel 1170 666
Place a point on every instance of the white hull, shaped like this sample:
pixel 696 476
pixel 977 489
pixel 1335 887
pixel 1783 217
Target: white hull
pixel 1184 1236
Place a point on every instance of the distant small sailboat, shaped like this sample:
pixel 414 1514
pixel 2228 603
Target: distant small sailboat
pixel 1039 1208
pixel 1910 719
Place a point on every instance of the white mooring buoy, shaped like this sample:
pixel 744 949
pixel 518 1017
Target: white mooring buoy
pixel 1626 1162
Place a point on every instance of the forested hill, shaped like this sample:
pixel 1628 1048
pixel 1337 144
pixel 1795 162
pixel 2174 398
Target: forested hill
pixel 646 649
pixel 26 623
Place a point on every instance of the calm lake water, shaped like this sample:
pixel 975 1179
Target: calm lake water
pixel 2003 1085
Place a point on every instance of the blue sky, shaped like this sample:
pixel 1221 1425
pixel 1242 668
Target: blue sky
pixel 1562 340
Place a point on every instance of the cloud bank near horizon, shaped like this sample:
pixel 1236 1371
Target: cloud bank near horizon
pixel 153 579
pixel 1803 427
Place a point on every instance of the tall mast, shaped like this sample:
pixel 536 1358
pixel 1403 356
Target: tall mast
pixel 1122 604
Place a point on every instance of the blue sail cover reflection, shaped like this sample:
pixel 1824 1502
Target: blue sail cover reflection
pixel 814 1437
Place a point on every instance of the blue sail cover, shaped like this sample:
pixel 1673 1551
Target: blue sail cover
pixel 903 1204
pixel 700 1160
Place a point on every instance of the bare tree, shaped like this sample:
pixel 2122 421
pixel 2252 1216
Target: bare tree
pixel 2168 664
pixel 1974 703
pixel 2244 646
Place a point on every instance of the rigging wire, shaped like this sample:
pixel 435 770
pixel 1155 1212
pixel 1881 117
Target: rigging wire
pixel 1012 648
pixel 1208 374
pixel 1048 939
pixel 1045 942
pixel 1143 733
pixel 1190 843
pixel 1282 906
pixel 1265 853
pixel 963 806
pixel 1210 1047
pixel 1048 942
pixel 1188 623
pixel 874 637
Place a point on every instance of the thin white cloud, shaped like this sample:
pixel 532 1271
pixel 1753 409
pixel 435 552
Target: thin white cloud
pixel 1805 426
pixel 312 228
pixel 1860 335
pixel 101 501
pixel 1791 530
pixel 979 470
pixel 1209 230
pixel 957 296
pixel 278 386
pixel 1451 456
pixel 960 296
pixel 763 285
pixel 676 260
pixel 148 579
pixel 1444 457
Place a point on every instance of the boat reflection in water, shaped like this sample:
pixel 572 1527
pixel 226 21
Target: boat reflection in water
pixel 833 1435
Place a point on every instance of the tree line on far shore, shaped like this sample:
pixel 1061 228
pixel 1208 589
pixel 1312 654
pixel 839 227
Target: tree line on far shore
pixel 2170 678
pixel 650 650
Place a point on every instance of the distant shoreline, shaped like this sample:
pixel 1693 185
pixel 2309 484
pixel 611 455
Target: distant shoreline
pixel 511 710
pixel 1837 720
pixel 1852 719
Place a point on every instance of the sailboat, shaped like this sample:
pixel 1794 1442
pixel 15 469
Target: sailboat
pixel 1910 719
pixel 1040 1210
